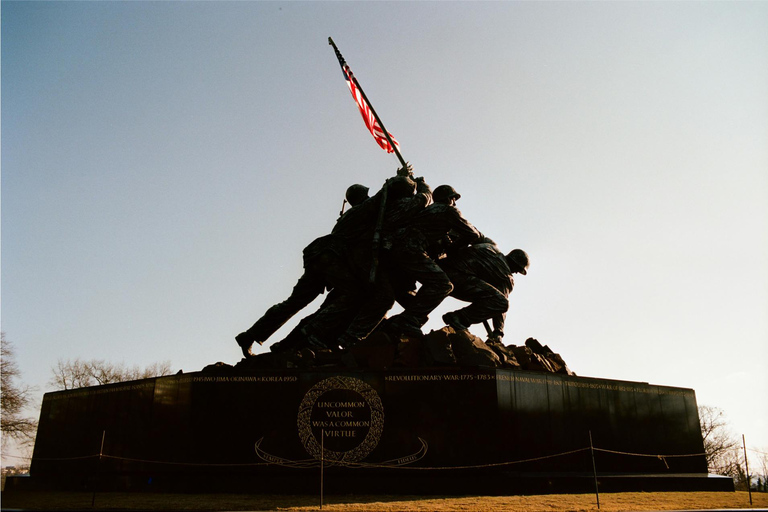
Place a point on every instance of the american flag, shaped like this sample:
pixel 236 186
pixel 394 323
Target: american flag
pixel 365 110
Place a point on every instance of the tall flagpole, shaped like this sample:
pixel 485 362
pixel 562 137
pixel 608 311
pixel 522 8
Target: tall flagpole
pixel 380 217
pixel 373 111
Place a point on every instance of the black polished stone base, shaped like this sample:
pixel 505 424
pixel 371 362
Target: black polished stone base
pixel 424 431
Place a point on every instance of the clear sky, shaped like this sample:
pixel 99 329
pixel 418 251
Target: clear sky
pixel 164 164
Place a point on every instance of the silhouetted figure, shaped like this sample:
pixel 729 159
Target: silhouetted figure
pixel 405 198
pixel 482 275
pixel 353 302
pixel 414 246
pixel 326 267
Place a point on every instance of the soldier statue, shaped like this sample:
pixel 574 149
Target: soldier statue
pixel 376 253
pixel 415 247
pixel 325 268
pixel 482 275
pixel 405 198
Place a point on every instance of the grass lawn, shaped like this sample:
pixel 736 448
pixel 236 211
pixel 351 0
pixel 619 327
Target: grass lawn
pixel 630 501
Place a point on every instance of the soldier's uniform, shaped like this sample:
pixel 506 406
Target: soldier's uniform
pixel 324 269
pixel 401 205
pixel 351 304
pixel 482 275
pixel 413 249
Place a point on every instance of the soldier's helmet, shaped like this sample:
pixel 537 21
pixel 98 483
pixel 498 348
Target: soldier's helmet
pixel 444 193
pixel 401 186
pixel 356 194
pixel 518 261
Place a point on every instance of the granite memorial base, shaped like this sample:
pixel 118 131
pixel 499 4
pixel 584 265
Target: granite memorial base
pixel 406 431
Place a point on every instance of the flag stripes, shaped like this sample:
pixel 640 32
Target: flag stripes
pixel 369 116
pixel 365 111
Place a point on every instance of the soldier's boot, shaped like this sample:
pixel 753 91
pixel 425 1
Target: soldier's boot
pixel 403 324
pixel 456 321
pixel 246 341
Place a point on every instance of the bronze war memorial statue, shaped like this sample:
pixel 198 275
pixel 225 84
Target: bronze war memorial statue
pixel 369 400
pixel 409 245
pixel 356 399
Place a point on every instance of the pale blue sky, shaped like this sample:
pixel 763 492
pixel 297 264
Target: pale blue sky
pixel 164 164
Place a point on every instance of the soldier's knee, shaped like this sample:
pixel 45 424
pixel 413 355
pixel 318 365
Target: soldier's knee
pixel 500 304
pixel 438 284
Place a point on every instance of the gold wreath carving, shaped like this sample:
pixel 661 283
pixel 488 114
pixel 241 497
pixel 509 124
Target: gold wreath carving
pixel 374 432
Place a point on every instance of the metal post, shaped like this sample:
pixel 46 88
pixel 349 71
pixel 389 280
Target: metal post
pixel 746 464
pixel 594 469
pixel 98 467
pixel 322 458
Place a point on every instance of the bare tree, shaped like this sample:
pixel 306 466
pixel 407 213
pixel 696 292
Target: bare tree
pixel 762 467
pixel 720 444
pixel 15 397
pixel 76 373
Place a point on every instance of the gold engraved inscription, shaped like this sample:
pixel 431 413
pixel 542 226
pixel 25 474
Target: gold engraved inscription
pixel 340 419
pixel 504 377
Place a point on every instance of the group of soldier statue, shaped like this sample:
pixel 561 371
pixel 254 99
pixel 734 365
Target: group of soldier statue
pixel 374 256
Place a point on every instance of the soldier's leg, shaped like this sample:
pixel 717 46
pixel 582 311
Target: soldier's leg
pixel 435 286
pixel 327 324
pixel 333 316
pixel 373 307
pixel 486 301
pixel 306 335
pixel 308 287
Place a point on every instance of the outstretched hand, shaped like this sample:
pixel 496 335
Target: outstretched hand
pixel 407 170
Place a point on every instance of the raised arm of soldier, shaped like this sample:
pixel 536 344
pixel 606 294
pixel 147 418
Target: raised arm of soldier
pixel 422 189
pixel 459 226
pixel 406 198
pixel 443 226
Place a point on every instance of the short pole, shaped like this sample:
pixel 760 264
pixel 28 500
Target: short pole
pixel 322 459
pixel 98 468
pixel 594 469
pixel 746 465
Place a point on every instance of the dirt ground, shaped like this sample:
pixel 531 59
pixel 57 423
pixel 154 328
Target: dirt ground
pixel 612 502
